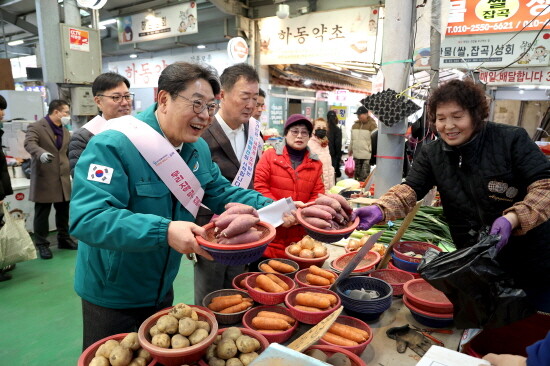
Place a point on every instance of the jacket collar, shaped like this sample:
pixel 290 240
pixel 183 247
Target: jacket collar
pixel 280 149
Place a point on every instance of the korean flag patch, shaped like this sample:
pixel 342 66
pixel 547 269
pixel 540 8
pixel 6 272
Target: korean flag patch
pixel 100 173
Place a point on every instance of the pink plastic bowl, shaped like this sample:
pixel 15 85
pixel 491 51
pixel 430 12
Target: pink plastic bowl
pixel 352 322
pixel 308 317
pixel 268 298
pixel 278 337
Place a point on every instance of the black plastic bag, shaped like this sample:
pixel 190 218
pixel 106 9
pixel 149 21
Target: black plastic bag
pixel 482 293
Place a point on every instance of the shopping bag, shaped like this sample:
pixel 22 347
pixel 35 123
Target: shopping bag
pixel 15 242
pixel 483 294
pixel 349 167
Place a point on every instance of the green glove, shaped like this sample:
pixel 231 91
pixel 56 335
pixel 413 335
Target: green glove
pixel 407 337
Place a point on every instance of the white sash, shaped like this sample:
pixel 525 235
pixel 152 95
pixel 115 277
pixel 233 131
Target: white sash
pixel 163 159
pixel 251 150
pixel 96 125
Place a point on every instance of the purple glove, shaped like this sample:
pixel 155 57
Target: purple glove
pixel 368 216
pixel 501 227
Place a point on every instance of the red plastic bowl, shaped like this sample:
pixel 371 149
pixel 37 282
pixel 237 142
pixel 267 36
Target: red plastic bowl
pixel 308 317
pixel 420 311
pixel 176 357
pixel 307 262
pixel 330 350
pixel 268 234
pixel 89 353
pixel 392 266
pixel 424 296
pixel 327 236
pixel 268 298
pixel 237 281
pixel 395 277
pixel 300 278
pixel 279 337
pixel 366 264
pixel 418 247
pixel 352 322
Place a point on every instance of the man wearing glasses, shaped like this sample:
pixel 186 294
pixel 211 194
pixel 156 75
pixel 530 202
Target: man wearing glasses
pixel 129 214
pixel 111 94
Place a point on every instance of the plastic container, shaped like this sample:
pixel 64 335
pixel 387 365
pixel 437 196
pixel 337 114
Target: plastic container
pixel 236 283
pixel 300 279
pixel 418 247
pixel 223 318
pixel 308 317
pixel 307 262
pixel 392 266
pixel 424 296
pixel 330 350
pixel 405 265
pixel 395 277
pixel 284 260
pixel 434 320
pixel 367 263
pixel 268 298
pixel 338 272
pixel 352 322
pixel 236 254
pixel 369 309
pixel 176 357
pixel 326 236
pixel 279 337
pixel 89 353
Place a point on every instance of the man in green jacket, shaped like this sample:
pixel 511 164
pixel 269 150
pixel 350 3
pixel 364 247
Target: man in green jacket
pixel 132 230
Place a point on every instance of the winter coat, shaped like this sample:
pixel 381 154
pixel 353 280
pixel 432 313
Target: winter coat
pixel 79 140
pixel 276 179
pixel 335 147
pixel 50 182
pixel 124 260
pixel 5 182
pixel 360 143
pixel 323 153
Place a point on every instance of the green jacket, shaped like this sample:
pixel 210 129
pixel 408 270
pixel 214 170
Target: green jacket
pixel 124 260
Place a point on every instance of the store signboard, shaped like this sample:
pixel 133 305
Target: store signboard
pixel 341 112
pixel 144 73
pixel 277 113
pixel 517 77
pixel 339 35
pixel 496 16
pixel 79 40
pixel 237 49
pixel 172 21
pixel 496 50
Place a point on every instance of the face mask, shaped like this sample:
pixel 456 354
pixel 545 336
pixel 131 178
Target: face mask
pixel 65 120
pixel 321 133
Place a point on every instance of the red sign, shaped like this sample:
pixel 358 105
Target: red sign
pixel 20 196
pixel 79 40
pixel 539 76
pixel 495 16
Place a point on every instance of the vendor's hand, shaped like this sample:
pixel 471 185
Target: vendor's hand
pixel 289 219
pixel 181 237
pixel 368 216
pixel 501 227
pixel 46 158
pixel 505 360
pixel 407 337
pixel 299 204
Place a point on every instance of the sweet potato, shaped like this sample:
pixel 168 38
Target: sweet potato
pixel 250 236
pixel 242 209
pixel 328 209
pixel 315 211
pixel 221 222
pixel 319 223
pixel 328 201
pixel 240 225
pixel 342 201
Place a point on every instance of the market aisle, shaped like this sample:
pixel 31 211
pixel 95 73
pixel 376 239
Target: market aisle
pixel 40 314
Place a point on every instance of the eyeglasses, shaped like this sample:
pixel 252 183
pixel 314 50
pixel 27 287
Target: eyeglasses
pixel 299 132
pixel 199 106
pixel 118 98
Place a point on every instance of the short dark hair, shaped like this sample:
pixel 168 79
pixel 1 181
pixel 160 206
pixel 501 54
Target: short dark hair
pixel 3 103
pixel 108 81
pixel 466 94
pixel 175 77
pixel 56 105
pixel 261 93
pixel 232 74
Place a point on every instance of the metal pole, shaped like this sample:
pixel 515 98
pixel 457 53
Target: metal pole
pixel 4 36
pixel 435 43
pixel 95 18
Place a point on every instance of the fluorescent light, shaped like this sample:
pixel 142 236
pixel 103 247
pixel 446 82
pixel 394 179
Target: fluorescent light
pixel 83 13
pixel 201 46
pixel 108 21
pixel 528 87
pixel 102 26
pixel 307 82
pixel 522 91
pixel 133 55
pixel 15 43
pixel 356 74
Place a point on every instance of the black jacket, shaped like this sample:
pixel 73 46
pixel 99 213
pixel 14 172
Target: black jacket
pixel 5 182
pixel 78 143
pixel 335 147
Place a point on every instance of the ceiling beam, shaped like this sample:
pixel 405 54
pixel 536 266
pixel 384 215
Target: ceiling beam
pixel 18 22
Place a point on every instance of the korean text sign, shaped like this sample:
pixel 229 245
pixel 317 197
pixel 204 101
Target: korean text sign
pixel 79 40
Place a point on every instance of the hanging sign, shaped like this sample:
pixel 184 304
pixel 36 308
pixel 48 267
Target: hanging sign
pixel 237 49
pixel 534 76
pixel 341 112
pixel 495 16
pixel 172 21
pixel 79 40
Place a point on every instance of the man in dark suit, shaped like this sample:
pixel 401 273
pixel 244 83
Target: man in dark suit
pixel 228 139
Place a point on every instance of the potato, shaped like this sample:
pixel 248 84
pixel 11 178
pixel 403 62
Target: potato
pixel 106 348
pixel 198 336
pixel 214 361
pixel 233 362
pixel 257 344
pixel 167 324
pixel 232 333
pixel 181 311
pixel 226 349
pixel 245 344
pixel 143 354
pixel 203 325
pixel 120 356
pixel 161 340
pixel 317 354
pixel 194 315
pixel 179 341
pixel 187 326
pixel 211 351
pixel 247 358
pixel 154 330
pixel 218 339
pixel 130 341
pixel 339 359
pixel 138 361
pixel 99 361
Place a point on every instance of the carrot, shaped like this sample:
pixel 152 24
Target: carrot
pixel 333 300
pixel 258 289
pixel 317 280
pixel 267 268
pixel 347 332
pixel 218 298
pixel 321 272
pixel 224 304
pixel 337 340
pixel 269 331
pixel 272 314
pixel 259 322
pixel 237 308
pixel 364 333
pixel 307 299
pixel 278 281
pixel 242 283
pixel 307 308
pixel 267 284
pixel 281 267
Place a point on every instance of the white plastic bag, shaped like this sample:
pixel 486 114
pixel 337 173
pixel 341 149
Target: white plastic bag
pixel 15 242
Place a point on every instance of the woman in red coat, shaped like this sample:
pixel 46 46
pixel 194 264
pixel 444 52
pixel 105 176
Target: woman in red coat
pixel 290 170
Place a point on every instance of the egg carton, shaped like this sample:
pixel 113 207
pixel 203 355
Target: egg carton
pixel 389 107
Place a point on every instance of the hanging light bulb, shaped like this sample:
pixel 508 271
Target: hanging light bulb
pixel 283 11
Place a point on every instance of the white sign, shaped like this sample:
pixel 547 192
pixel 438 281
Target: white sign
pixel 172 21
pixel 491 50
pixel 237 49
pixel 339 35
pixel 144 73
pixel 538 76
